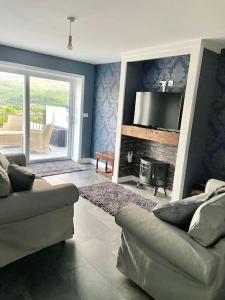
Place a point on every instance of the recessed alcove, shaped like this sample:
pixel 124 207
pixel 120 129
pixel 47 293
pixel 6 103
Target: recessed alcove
pixel 142 76
pixel 187 158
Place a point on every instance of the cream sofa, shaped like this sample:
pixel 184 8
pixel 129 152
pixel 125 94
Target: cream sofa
pixel 165 261
pixel 32 220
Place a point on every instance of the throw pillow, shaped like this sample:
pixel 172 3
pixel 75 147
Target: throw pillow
pixel 4 163
pixel 208 225
pixel 179 213
pixel 21 178
pixel 5 185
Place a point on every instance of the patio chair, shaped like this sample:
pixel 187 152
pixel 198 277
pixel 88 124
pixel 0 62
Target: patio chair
pixel 14 123
pixel 40 139
pixel 11 133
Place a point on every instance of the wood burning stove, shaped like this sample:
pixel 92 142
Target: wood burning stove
pixel 153 173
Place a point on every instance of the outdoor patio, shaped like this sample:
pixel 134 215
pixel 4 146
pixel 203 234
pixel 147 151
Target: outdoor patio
pixel 54 153
pixel 47 139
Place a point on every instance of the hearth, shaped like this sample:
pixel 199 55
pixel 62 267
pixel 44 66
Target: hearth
pixel 153 173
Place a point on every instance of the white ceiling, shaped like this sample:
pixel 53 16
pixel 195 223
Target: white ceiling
pixel 104 28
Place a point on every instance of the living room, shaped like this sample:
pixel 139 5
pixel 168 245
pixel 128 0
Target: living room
pixel 112 150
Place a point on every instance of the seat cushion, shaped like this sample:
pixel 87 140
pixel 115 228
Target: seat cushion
pixel 208 225
pixel 40 184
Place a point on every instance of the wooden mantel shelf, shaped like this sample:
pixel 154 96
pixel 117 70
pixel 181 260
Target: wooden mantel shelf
pixel 160 136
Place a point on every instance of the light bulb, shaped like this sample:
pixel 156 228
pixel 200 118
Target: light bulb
pixel 70 45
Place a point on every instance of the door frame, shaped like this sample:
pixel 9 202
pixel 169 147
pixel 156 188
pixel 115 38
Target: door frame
pixel 76 100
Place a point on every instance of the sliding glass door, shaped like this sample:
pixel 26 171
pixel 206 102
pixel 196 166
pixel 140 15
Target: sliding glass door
pixel 36 116
pixel 11 112
pixel 49 118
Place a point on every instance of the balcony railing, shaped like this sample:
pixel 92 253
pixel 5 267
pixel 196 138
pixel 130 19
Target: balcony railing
pixel 37 121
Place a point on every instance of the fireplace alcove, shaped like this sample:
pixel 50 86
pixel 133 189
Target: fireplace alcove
pixel 186 155
pixel 160 145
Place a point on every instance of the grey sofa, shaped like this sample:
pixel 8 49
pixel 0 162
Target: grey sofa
pixel 32 220
pixel 165 261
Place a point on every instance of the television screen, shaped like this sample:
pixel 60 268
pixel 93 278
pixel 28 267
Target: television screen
pixel 158 110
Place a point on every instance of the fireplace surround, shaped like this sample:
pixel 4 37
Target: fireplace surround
pixel 143 148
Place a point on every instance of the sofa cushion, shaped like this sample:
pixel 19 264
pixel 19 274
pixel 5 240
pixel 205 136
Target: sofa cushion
pixel 208 225
pixel 20 177
pixel 4 163
pixel 5 185
pixel 179 213
pixel 40 184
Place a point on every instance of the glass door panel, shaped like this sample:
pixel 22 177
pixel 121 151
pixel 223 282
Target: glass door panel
pixel 49 118
pixel 11 112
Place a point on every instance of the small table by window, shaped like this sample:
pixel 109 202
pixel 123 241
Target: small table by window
pixel 108 157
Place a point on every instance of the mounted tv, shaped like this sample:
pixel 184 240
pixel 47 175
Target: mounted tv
pixel 158 110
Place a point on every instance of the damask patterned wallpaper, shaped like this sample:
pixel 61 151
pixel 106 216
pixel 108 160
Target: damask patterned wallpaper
pixel 214 161
pixel 171 68
pixel 107 79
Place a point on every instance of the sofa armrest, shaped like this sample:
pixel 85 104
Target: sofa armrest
pixel 168 242
pixel 213 184
pixel 28 204
pixel 19 158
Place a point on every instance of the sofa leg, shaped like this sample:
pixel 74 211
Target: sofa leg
pixel 63 242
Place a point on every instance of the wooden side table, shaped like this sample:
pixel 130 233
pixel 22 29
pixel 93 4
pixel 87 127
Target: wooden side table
pixel 108 157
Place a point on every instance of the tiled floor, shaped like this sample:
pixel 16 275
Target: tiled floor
pixel 84 268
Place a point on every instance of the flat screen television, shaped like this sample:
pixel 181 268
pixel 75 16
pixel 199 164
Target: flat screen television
pixel 158 110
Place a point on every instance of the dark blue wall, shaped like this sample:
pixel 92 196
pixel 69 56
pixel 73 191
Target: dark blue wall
pixel 170 68
pixel 145 76
pixel 30 58
pixel 107 81
pixel 205 101
pixel 134 78
pixel 214 160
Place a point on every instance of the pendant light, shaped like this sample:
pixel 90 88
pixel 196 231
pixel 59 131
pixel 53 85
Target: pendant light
pixel 70 44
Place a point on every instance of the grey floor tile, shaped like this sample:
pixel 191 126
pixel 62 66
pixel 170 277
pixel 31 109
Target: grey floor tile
pixel 88 284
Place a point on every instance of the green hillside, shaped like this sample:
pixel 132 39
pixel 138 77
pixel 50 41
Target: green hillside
pixel 43 92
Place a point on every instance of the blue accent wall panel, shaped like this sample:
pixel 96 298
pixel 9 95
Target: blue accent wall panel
pixel 170 68
pixel 195 171
pixel 107 80
pixel 45 61
pixel 214 161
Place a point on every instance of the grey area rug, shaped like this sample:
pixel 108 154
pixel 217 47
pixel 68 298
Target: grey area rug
pixel 111 197
pixel 56 167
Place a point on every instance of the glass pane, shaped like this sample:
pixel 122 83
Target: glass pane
pixel 11 112
pixel 49 118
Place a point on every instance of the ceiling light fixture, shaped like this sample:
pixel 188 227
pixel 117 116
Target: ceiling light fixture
pixel 70 44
